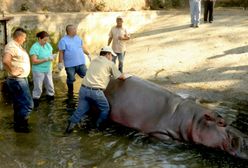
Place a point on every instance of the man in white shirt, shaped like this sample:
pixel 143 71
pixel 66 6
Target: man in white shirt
pixel 118 36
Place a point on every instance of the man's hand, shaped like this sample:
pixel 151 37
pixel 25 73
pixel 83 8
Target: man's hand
pixel 60 66
pixel 127 76
pixel 124 76
pixel 119 38
pixel 89 57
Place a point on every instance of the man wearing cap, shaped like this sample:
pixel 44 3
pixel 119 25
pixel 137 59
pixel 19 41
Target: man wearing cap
pixel 118 34
pixel 94 83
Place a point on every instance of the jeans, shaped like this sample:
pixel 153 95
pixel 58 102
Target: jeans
pixel 22 99
pixel 71 72
pixel 87 96
pixel 120 59
pixel 38 79
pixel 195 11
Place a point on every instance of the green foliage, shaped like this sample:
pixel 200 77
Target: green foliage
pixel 31 39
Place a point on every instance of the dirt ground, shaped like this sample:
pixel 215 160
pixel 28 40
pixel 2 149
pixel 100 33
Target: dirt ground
pixel 209 62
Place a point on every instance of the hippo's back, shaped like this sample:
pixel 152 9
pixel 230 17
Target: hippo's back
pixel 140 104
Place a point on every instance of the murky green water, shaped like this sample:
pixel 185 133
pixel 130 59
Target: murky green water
pixel 47 147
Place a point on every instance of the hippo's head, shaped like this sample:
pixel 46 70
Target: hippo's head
pixel 211 130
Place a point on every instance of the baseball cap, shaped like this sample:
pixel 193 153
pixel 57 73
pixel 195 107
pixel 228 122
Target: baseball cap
pixel 108 49
pixel 119 17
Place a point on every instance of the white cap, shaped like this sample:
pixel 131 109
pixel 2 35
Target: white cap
pixel 119 17
pixel 109 49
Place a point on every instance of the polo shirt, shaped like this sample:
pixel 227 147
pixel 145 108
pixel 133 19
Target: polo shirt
pixel 20 57
pixel 73 50
pixel 118 46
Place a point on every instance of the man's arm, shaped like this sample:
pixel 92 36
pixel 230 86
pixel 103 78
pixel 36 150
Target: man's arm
pixel 86 51
pixel 15 71
pixel 61 56
pixel 110 40
pixel 125 37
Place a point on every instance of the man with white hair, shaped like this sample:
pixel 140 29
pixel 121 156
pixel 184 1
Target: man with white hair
pixel 118 36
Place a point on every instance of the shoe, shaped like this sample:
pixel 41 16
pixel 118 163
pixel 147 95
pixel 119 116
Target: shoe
pixel 101 124
pixel 49 98
pixel 191 25
pixel 196 26
pixel 70 127
pixel 21 126
pixel 36 102
pixel 21 129
pixel 210 21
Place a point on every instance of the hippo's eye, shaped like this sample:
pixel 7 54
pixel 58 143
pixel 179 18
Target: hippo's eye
pixel 221 123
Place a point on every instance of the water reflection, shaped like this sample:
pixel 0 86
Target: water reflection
pixel 48 147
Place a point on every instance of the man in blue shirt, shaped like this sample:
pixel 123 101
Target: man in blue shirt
pixel 71 52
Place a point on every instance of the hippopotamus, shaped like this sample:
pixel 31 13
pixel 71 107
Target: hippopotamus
pixel 153 110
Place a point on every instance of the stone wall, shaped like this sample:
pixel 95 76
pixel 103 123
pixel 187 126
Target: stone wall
pixel 93 27
pixel 13 6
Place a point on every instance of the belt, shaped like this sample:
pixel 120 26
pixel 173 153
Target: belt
pixel 15 77
pixel 92 88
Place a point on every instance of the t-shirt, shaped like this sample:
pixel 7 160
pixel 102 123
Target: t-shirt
pixel 118 46
pixel 41 52
pixel 73 50
pixel 99 73
pixel 19 59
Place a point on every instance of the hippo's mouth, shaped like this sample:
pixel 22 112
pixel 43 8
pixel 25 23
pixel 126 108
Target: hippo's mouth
pixel 244 149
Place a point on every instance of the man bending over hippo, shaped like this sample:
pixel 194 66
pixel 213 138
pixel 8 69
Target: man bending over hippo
pixel 94 83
